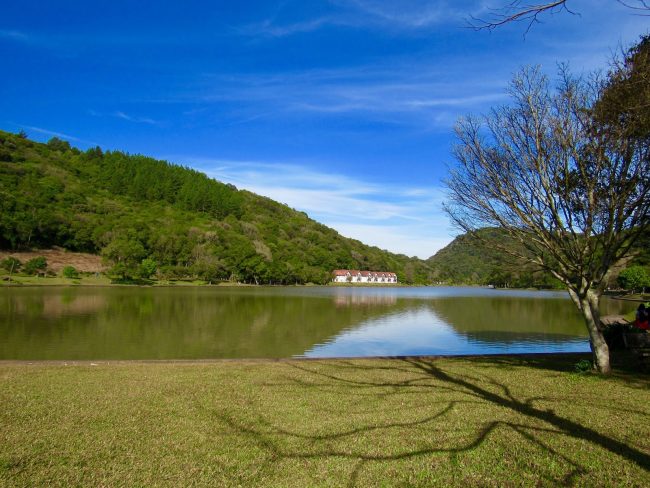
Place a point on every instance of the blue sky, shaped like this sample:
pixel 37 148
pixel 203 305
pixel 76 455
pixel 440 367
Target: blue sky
pixel 341 108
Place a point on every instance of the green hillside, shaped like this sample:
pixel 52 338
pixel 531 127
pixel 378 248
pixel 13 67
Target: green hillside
pixel 131 208
pixel 478 261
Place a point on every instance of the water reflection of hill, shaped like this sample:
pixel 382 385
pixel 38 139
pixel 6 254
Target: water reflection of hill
pixel 500 319
pixel 483 324
pixel 120 323
pixel 155 323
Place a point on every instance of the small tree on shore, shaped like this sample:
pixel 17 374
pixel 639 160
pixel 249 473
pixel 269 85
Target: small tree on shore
pixel 634 278
pixel 35 265
pixel 11 264
pixel 70 272
pixel 571 187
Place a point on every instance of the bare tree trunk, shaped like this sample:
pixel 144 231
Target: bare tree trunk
pixel 599 348
pixel 588 304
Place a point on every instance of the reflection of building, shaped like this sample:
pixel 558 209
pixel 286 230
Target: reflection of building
pixel 356 276
pixel 361 300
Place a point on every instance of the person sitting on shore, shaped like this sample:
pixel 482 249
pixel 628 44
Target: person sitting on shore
pixel 642 317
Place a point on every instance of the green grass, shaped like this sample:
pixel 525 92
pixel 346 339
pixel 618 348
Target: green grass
pixel 54 280
pixel 100 280
pixel 501 421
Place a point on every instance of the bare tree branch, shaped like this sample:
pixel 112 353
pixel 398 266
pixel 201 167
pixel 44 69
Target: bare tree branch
pixel 519 11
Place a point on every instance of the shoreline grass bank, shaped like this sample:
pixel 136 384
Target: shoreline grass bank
pixel 470 421
pixel 103 280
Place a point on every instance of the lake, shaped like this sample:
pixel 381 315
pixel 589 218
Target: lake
pixel 102 323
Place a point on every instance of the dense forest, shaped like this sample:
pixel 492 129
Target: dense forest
pixel 144 216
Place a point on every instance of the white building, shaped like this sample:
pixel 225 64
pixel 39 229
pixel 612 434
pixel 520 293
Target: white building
pixel 356 276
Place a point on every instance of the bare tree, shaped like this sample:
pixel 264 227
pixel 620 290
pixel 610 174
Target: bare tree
pixel 520 11
pixel 575 194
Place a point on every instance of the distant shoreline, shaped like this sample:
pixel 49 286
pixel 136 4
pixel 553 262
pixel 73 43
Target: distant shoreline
pixel 102 280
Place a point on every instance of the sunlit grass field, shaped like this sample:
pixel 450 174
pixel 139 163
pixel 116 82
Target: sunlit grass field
pixel 523 421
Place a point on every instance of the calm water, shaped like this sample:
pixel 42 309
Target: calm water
pixel 192 323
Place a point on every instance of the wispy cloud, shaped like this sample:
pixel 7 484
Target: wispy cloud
pixel 422 97
pixel 14 35
pixel 124 116
pixel 402 219
pixel 52 133
pixel 131 118
pixel 270 28
pixel 409 14
pixel 394 15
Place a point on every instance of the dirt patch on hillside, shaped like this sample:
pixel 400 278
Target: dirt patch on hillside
pixel 57 259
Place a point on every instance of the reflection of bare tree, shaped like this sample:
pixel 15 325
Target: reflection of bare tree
pixel 490 407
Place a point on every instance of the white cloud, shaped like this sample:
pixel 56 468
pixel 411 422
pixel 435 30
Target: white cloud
pixel 405 14
pixel 124 116
pixel 412 240
pixel 139 120
pixel 269 28
pixel 427 98
pixel 14 35
pixel 401 219
pixel 396 15
pixel 52 133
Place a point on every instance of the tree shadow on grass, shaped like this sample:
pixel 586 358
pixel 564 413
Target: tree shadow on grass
pixel 425 378
pixel 568 427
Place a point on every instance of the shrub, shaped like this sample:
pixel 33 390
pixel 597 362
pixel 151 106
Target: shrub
pixel 583 366
pixel 147 268
pixel 634 278
pixel 33 266
pixel 11 264
pixel 70 272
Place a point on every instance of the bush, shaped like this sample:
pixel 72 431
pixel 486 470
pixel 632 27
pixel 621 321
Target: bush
pixel 583 366
pixel 147 268
pixel 70 272
pixel 11 264
pixel 33 266
pixel 634 278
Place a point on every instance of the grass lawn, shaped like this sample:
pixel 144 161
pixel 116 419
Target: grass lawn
pixel 374 422
pixel 91 280
pixel 100 280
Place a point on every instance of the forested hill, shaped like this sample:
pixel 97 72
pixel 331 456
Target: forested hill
pixel 131 208
pixel 467 260
pixel 472 261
